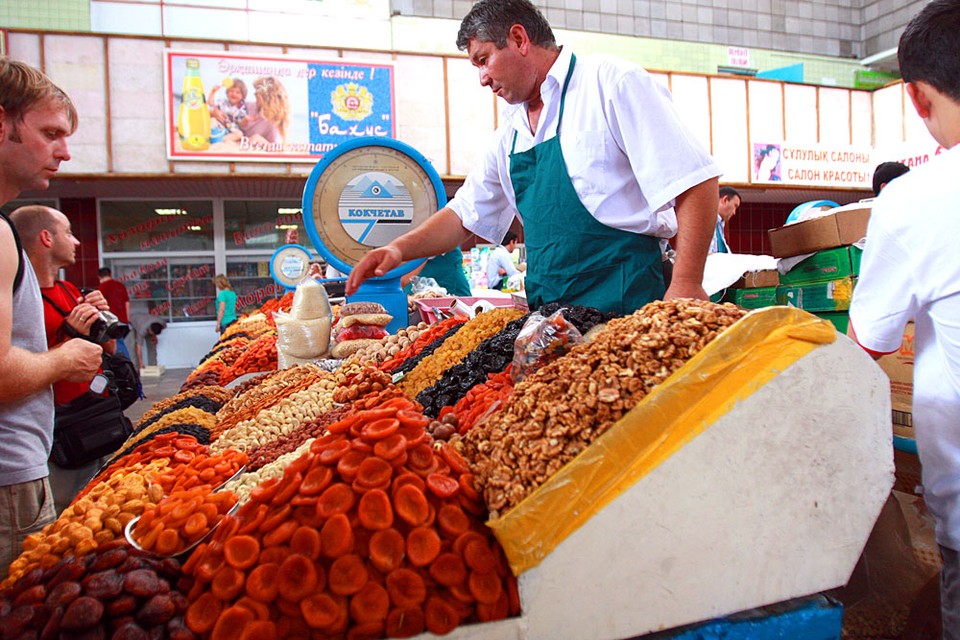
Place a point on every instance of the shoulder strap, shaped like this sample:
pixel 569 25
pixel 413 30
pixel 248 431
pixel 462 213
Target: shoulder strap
pixel 56 307
pixel 18 278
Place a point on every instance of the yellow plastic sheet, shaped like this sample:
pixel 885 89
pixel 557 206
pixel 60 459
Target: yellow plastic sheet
pixel 744 358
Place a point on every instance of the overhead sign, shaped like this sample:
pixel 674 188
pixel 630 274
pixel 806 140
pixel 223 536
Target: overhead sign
pixel 226 106
pixel 812 165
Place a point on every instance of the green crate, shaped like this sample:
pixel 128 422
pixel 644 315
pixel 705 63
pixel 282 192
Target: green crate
pixel 753 298
pixel 834 295
pixel 840 319
pixel 830 264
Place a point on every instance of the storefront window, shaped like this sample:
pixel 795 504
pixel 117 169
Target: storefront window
pixel 157 226
pixel 177 289
pixel 162 251
pixel 251 280
pixel 265 225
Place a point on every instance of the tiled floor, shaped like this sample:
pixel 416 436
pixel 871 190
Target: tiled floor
pixel 157 389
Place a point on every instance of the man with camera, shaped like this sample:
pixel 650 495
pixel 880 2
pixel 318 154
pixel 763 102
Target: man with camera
pixel 69 313
pixel 36 118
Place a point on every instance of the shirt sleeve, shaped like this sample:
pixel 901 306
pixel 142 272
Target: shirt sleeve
pixel 883 298
pixel 665 157
pixel 481 202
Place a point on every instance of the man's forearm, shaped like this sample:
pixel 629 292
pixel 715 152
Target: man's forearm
pixel 696 220
pixel 26 372
pixel 440 233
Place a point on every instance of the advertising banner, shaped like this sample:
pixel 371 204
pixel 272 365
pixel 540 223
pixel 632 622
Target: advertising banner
pixel 256 108
pixel 814 165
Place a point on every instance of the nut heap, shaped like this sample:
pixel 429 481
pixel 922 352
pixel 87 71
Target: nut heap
pixel 558 411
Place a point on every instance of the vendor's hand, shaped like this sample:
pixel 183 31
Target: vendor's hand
pixel 97 299
pixel 315 270
pixel 375 263
pixel 681 289
pixel 82 317
pixel 80 360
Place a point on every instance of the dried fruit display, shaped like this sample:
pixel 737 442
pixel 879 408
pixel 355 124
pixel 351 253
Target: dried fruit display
pixel 371 533
pixel 113 592
pixel 456 347
pixel 558 411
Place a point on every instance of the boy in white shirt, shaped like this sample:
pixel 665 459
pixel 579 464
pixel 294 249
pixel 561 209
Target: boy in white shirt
pixel 911 271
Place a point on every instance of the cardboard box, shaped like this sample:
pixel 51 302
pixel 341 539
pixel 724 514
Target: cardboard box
pixel 834 295
pixel 842 226
pixel 829 264
pixel 758 279
pixel 899 368
pixel 754 298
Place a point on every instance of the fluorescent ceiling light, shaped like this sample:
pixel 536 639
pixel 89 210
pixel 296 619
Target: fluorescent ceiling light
pixel 289 211
pixel 171 212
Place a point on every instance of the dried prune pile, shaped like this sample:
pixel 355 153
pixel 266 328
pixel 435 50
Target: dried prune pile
pixel 491 356
pixel 114 592
pixel 494 354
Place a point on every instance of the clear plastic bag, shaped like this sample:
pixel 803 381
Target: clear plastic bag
pixel 425 285
pixel 542 340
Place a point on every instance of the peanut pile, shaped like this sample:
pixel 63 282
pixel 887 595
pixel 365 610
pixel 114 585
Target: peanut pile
pixel 558 411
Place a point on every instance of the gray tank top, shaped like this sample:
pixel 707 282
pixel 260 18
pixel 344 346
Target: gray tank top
pixel 26 426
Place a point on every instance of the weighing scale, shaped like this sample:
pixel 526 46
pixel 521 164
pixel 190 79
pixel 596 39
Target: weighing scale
pixel 362 195
pixel 289 264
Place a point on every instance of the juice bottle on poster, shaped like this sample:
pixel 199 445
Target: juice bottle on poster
pixel 193 123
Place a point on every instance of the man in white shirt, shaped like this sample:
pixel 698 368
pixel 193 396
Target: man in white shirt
pixel 911 271
pixel 729 203
pixel 591 156
pixel 500 264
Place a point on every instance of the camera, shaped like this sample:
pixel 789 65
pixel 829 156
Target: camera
pixel 107 326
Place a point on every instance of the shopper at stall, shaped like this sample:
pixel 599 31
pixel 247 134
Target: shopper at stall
pixel 885 172
pixel 226 302
pixel 911 271
pixel 500 265
pixel 48 241
pixel 590 156
pixel 146 327
pixel 729 203
pixel 36 118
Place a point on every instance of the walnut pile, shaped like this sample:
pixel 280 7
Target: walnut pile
pixel 558 411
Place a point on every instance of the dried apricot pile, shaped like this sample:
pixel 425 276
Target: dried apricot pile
pixel 181 519
pixel 372 533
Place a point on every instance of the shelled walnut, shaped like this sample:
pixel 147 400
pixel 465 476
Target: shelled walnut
pixel 558 411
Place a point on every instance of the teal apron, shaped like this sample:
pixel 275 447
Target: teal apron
pixel 571 257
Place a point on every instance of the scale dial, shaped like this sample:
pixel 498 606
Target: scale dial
pixel 366 197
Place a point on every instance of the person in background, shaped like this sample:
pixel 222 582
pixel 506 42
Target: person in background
pixel 589 154
pixel 145 329
pixel 50 245
pixel 729 203
pixel 226 302
pixel 118 300
pixel 446 270
pixel 911 271
pixel 36 118
pixel 500 263
pixel 885 172
pixel 115 294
